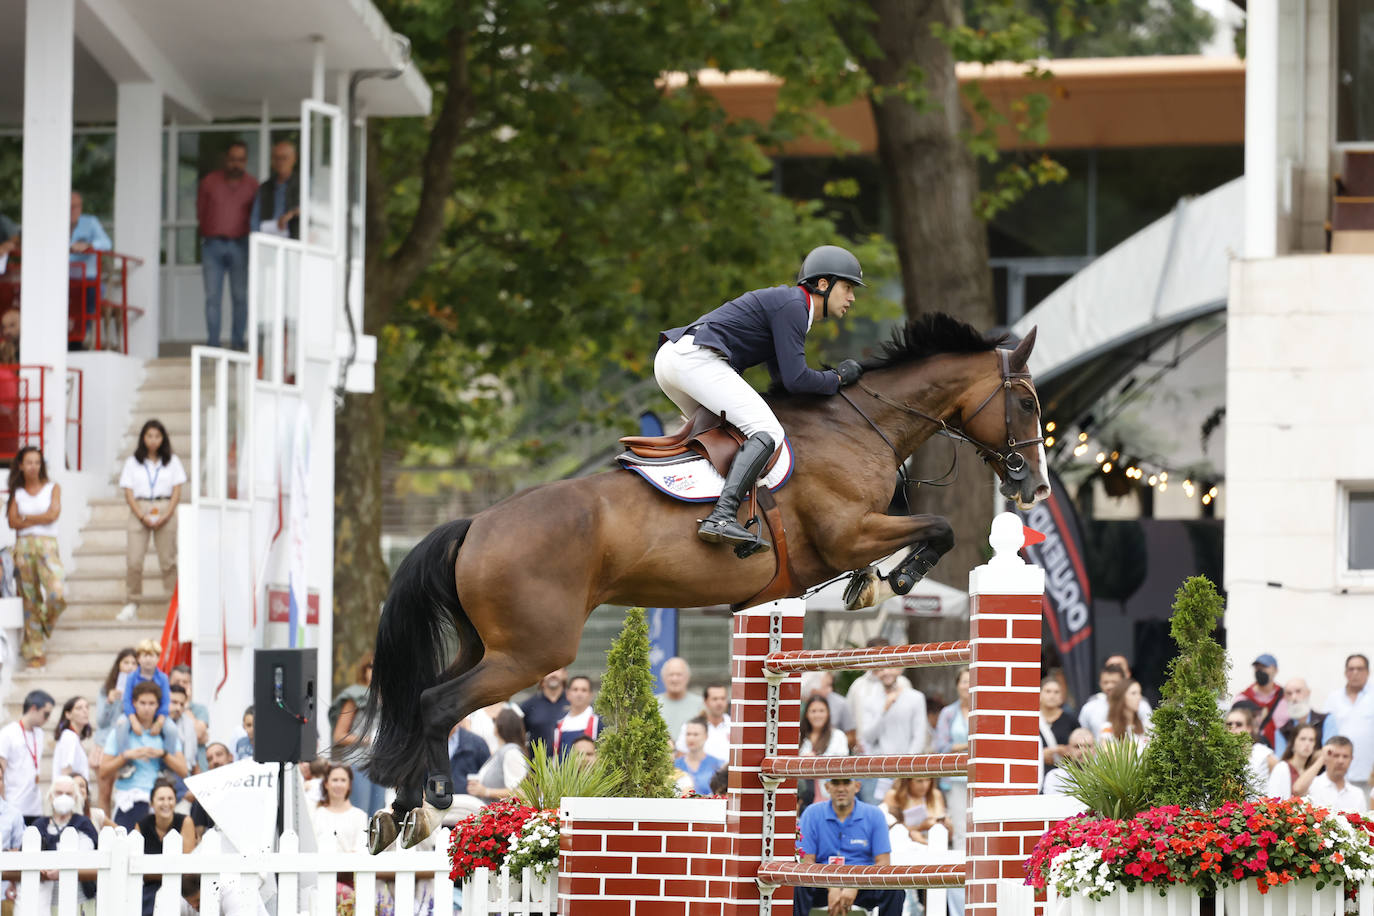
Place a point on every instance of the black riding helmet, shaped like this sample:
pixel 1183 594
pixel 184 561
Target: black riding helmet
pixel 832 262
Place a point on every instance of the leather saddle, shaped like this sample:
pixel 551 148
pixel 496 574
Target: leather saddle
pixel 705 433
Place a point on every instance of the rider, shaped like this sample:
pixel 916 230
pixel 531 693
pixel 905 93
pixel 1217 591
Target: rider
pixel 699 366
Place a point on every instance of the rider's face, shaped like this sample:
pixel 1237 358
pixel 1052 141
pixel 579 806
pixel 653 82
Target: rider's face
pixel 841 297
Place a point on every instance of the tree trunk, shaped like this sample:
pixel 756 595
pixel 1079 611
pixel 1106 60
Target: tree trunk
pixel 360 571
pixel 942 245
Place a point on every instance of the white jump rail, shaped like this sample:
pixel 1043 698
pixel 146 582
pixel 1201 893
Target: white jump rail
pixel 120 865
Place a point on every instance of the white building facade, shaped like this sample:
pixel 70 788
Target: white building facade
pixel 259 508
pixel 1300 425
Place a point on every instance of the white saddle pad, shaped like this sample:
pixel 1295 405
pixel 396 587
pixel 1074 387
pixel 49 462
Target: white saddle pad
pixel 692 479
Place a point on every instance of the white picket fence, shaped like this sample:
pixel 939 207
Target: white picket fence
pixel 489 893
pixel 305 882
pixel 1298 899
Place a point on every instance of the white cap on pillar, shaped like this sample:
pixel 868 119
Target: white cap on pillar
pixel 1006 573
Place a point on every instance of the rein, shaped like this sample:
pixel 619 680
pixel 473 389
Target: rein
pixel 1010 455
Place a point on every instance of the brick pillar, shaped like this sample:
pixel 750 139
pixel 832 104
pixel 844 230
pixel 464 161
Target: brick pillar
pixel 757 631
pixel 1005 599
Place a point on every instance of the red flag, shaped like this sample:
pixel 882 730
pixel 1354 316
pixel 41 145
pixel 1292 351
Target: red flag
pixel 174 651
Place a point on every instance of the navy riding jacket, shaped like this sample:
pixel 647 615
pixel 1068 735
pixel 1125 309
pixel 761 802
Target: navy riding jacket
pixel 763 326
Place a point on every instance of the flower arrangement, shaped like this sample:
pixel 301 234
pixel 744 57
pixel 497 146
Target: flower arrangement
pixel 1271 841
pixel 483 839
pixel 536 847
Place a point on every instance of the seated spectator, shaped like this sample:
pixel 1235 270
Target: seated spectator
pixel 138 757
pixel 73 727
pixel 715 701
pixel 843 831
pixel 1080 745
pixel 1240 719
pixel 1056 723
pixel 83 803
pixel 154 827
pixel 467 754
pixel 919 805
pixel 1298 696
pixel 314 772
pixel 579 720
pixel 11 831
pixel 503 771
pixel 1267 695
pixel 1330 789
pixel 1123 714
pixel 697 766
pixel 1093 714
pixel 217 755
pixel 88 236
pixel 10 323
pixel 818 739
pixel 339 827
pixel 9 236
pixel 822 683
pixel 584 749
pixel 243 748
pixel 676 702
pixel 1301 763
pixel 720 783
pixel 64 812
pixel 180 676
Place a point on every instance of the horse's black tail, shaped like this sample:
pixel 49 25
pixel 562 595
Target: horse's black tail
pixel 421 620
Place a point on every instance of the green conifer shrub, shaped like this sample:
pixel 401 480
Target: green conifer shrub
pixel 1192 760
pixel 634 743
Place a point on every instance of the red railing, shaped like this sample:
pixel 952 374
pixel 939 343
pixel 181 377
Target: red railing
pixel 23 389
pixel 100 299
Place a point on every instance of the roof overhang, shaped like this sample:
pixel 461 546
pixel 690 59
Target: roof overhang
pixel 1097 103
pixel 219 61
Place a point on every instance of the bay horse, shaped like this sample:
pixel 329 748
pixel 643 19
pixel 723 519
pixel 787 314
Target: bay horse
pixel 485 607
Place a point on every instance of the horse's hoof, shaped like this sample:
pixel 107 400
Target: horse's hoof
pixel 381 832
pixel 419 823
pixel 862 590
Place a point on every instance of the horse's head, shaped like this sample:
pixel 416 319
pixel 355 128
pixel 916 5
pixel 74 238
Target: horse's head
pixel 1000 414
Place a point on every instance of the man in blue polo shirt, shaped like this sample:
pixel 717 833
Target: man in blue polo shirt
pixel 845 832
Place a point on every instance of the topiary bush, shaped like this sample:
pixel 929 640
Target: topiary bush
pixel 634 744
pixel 1192 760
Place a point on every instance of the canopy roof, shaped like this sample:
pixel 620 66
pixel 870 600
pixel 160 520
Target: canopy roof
pixel 217 60
pixel 1144 310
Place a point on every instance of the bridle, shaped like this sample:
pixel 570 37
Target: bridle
pixel 1013 462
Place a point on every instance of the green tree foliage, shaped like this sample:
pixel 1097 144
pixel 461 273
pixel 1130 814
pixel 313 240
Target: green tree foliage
pixel 1122 28
pixel 635 744
pixel 1192 759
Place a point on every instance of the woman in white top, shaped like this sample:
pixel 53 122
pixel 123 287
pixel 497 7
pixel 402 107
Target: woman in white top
pixel 819 738
pixel 1302 761
pixel 1123 717
pixel 34 507
pixel 339 827
pixel 73 727
pixel 151 479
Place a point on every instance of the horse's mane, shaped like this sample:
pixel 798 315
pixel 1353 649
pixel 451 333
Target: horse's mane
pixel 920 338
pixel 930 335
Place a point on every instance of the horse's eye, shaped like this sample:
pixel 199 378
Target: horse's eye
pixel 1028 405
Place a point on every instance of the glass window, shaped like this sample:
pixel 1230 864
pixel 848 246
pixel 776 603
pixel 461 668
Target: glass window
pixel 291 310
pixel 210 485
pixel 1355 71
pixel 236 411
pixel 267 292
pixel 1360 547
pixel 323 228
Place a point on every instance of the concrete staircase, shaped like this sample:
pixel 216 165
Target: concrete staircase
pixel 86 638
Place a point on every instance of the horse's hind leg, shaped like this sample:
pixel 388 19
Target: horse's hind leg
pixel 497 677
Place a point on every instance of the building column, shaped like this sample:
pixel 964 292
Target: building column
pixel 137 206
pixel 49 44
pixel 1262 129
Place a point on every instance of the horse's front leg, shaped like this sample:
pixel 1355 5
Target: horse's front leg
pixel 878 535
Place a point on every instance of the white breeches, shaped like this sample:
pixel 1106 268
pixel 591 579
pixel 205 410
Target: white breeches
pixel 693 377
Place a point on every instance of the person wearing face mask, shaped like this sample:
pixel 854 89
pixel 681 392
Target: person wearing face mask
pixel 63 803
pixel 1297 696
pixel 1266 693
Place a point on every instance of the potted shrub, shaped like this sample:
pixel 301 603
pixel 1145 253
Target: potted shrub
pixel 1179 818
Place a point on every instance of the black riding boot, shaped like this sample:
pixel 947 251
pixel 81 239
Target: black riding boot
pixel 722 525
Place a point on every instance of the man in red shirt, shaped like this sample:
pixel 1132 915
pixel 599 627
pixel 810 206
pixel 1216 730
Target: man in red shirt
pixel 1266 693
pixel 223 205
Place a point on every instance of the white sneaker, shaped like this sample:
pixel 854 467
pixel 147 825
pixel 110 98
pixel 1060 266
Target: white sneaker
pixel 127 612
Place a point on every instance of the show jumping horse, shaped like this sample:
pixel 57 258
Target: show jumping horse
pixel 509 590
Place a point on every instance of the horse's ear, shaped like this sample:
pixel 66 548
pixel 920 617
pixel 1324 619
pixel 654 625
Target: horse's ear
pixel 1023 351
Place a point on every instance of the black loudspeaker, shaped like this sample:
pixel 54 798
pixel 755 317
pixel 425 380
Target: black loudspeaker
pixel 284 726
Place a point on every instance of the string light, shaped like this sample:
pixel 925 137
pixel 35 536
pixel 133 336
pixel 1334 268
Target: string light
pixel 1080 449
pixel 1101 457
pixel 1206 499
pixel 1049 442
pixel 1154 479
pixel 1050 427
pixel 1107 468
pixel 1082 437
pixel 1119 460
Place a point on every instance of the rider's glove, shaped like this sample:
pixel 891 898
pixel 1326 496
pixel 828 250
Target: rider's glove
pixel 849 372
